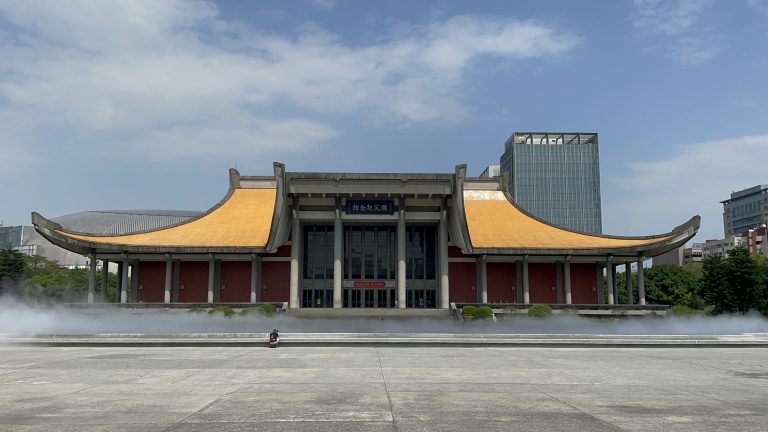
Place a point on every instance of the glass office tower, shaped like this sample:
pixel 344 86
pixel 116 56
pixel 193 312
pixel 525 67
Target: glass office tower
pixel 555 176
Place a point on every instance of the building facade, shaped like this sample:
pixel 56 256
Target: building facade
pixel 556 177
pixel 365 240
pixel 744 210
pixel 491 171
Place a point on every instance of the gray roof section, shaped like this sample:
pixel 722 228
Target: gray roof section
pixel 122 221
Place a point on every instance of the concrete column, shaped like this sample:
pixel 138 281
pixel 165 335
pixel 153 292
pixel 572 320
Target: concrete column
pixel 92 278
pixel 401 255
pixel 615 284
pixel 442 243
pixel 338 245
pixel 104 279
pixel 483 270
pixel 211 277
pixel 526 290
pixel 255 288
pixel 295 249
pixel 119 281
pixel 124 280
pixel 609 281
pixel 567 278
pixel 599 283
pixel 640 281
pixel 168 278
pixel 628 274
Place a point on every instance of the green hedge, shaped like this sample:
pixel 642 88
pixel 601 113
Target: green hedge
pixel 539 311
pixel 468 309
pixel 683 310
pixel 483 312
pixel 226 310
pixel 266 309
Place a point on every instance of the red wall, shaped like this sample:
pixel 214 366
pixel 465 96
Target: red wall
pixel 583 278
pixel 501 279
pixel 235 281
pixel 462 278
pixel 194 277
pixel 541 278
pixel 275 281
pixel 152 281
pixel 282 251
pixel 454 252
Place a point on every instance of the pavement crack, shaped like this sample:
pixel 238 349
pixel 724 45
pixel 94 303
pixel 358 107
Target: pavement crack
pixel 386 389
pixel 223 396
pixel 582 411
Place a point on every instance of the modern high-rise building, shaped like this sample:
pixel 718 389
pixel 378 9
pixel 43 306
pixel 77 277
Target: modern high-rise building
pixel 744 210
pixel 555 176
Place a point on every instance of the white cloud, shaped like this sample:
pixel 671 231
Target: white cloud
pixel 760 5
pixel 174 77
pixel 324 4
pixel 694 50
pixel 656 196
pixel 668 17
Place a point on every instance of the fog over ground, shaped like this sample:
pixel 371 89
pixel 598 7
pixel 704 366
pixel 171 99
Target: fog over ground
pixel 24 319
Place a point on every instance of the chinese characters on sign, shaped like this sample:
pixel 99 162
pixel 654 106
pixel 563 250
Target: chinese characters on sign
pixel 375 207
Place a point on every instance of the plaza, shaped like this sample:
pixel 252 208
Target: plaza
pixel 382 389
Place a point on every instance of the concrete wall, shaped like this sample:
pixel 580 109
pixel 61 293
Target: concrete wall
pixel 501 278
pixel 235 281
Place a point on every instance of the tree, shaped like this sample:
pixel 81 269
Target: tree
pixel 674 285
pixel 12 268
pixel 737 283
pixel 47 280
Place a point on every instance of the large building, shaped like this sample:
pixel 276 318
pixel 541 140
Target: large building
pixel 556 177
pixel 744 210
pixel 365 240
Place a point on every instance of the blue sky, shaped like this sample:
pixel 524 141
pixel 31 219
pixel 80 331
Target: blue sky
pixel 130 105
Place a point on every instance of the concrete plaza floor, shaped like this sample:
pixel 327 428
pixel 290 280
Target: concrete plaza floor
pixel 382 389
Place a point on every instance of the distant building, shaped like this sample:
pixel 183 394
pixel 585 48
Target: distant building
pixel 491 171
pixel 556 177
pixel 721 247
pixel 681 255
pixel 693 253
pixel 744 210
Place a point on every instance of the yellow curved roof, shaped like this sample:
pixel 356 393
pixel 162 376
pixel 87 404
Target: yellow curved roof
pixel 494 222
pixel 243 220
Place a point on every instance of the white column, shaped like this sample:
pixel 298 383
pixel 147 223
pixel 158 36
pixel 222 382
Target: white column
pixel 401 255
pixel 92 278
pixel 104 279
pixel 567 277
pixel 211 276
pixel 442 243
pixel 483 267
pixel 124 280
pixel 640 281
pixel 609 281
pixel 526 290
pixel 168 278
pixel 628 274
pixel 295 248
pixel 338 244
pixel 255 289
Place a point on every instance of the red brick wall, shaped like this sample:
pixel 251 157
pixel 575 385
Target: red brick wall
pixel 194 277
pixel 275 281
pixel 541 278
pixel 462 277
pixel 151 281
pixel 583 278
pixel 235 281
pixel 501 279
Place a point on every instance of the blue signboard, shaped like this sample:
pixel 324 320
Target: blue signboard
pixel 371 207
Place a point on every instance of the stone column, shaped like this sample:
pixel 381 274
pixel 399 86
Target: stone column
pixel 614 267
pixel 338 245
pixel 168 278
pixel 124 280
pixel 442 243
pixel 92 277
pixel 255 288
pixel 483 267
pixel 640 281
pixel 211 276
pixel 567 277
pixel 628 274
pixel 526 290
pixel 119 281
pixel 295 249
pixel 599 283
pixel 104 279
pixel 609 281
pixel 401 255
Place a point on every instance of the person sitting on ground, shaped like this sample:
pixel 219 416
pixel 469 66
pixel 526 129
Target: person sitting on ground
pixel 274 337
